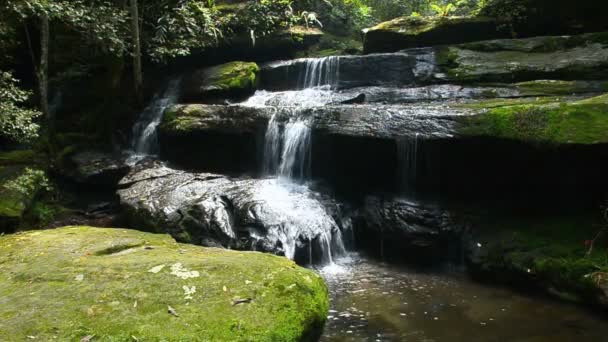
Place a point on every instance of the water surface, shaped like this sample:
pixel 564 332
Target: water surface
pixel 373 301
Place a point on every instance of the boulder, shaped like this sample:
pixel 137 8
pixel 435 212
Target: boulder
pixel 260 214
pixel 84 283
pixel 412 32
pixel 513 60
pixel 404 228
pixel 223 82
pixel 549 254
pixel 95 168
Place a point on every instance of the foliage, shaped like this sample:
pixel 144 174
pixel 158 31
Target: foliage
pixel 17 123
pixel 29 182
pixel 181 28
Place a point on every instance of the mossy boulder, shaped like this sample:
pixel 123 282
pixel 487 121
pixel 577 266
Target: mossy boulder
pixel 410 32
pixel 230 81
pixel 560 87
pixel 125 285
pixel 555 121
pixel 551 254
pixel 513 60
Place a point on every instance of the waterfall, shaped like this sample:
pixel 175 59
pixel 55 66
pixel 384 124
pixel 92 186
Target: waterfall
pixel 407 164
pixel 287 156
pixel 144 140
pixel 319 72
pixel 295 159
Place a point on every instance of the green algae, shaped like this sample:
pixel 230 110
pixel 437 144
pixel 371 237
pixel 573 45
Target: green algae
pixel 61 284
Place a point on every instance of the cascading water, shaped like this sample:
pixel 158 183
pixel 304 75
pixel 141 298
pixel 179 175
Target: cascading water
pixel 407 164
pixel 287 155
pixel 319 72
pixel 144 141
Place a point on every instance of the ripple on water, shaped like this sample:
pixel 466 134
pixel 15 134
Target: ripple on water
pixel 372 301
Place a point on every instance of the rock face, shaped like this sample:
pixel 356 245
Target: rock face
pixel 122 284
pixel 96 168
pixel 210 209
pixel 412 32
pixel 232 80
pixel 383 69
pixel 404 228
pixel 512 60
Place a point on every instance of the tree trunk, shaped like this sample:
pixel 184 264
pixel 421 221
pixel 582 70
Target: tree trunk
pixel 43 72
pixel 137 70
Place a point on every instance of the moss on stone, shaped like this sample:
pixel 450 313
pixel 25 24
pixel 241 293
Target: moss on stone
pixel 117 285
pixel 233 75
pixel 545 252
pixel 518 60
pixel 560 122
pixel 409 32
pixel 557 87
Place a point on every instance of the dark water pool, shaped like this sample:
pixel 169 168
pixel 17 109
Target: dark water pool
pixel 372 301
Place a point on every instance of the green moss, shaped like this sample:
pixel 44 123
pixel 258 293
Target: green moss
pixel 557 87
pixel 584 122
pixel 233 76
pixel 59 286
pixel 547 251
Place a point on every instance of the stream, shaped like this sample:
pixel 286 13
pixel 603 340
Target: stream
pixel 375 301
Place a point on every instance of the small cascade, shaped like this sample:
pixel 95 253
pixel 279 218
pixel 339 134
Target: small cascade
pixel 295 158
pixel 144 140
pixel 319 72
pixel 407 164
pixel 287 149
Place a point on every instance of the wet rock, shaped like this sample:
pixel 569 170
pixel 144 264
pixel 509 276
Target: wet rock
pixel 395 227
pixel 95 168
pixel 425 120
pixel 211 209
pixel 512 60
pixel 124 281
pixel 383 69
pixel 357 99
pixel 410 32
pixel 232 80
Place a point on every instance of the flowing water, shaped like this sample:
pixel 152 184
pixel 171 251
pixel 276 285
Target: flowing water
pixel 407 164
pixel 144 140
pixel 373 301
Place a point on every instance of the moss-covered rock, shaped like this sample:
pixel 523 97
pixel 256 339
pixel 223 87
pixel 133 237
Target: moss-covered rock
pixel 124 285
pixel 189 119
pixel 226 81
pixel 513 60
pixel 558 87
pixel 410 32
pixel 556 122
pixel 549 254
